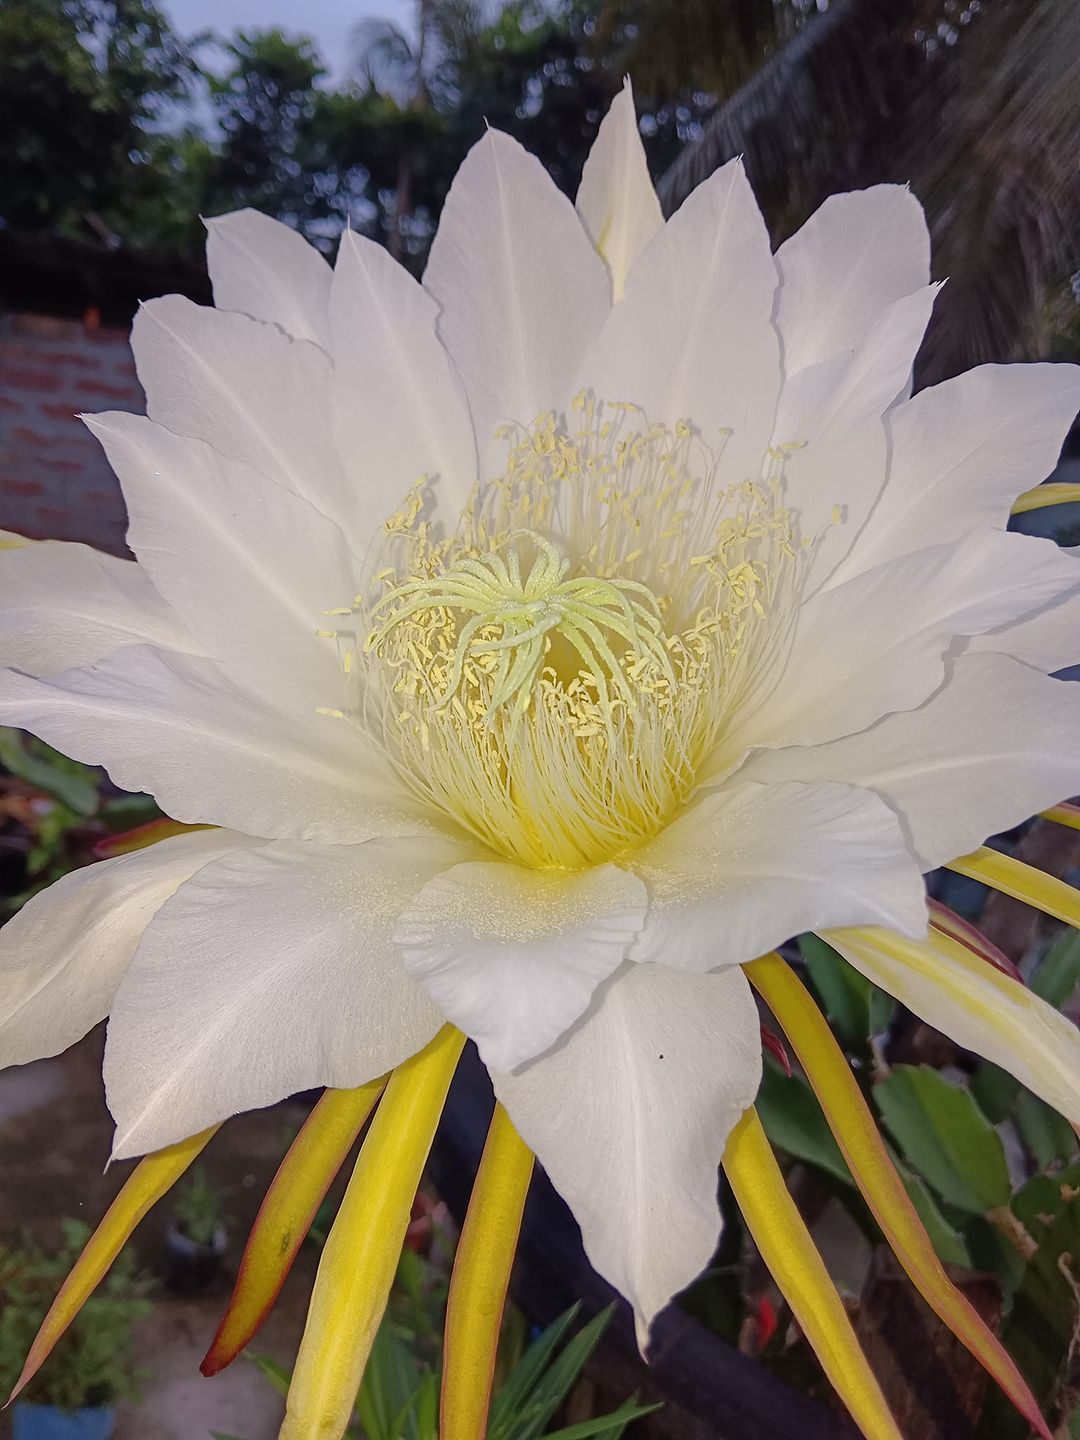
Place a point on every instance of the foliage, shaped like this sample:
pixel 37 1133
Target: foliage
pixel 53 810
pixel 92 1364
pixel 197 1207
pixel 399 1396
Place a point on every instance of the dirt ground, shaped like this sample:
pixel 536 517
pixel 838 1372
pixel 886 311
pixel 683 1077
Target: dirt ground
pixel 54 1141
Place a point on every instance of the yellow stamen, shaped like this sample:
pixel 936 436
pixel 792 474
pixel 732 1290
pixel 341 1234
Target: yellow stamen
pixel 557 699
pixel 478 1285
pixel 1043 495
pixel 798 1269
pixel 875 1174
pixel 1022 882
pixel 144 1187
pixel 362 1251
pixel 286 1213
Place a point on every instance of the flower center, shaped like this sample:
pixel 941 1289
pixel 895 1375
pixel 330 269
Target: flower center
pixel 553 675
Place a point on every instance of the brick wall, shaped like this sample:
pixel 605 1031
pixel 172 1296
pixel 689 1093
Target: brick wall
pixel 54 480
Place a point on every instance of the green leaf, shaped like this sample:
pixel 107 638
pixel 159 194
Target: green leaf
pixel 995 1091
pixel 74 785
pixel 945 1136
pixel 843 992
pixel 946 1239
pixel 525 1374
pixel 1048 1135
pixel 1042 1322
pixel 554 1384
pixel 794 1120
pixel 1057 976
pixel 611 1425
pixel 276 1373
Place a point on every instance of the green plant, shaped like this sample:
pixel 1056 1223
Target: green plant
pixel 399 1398
pixel 197 1207
pixel 92 1365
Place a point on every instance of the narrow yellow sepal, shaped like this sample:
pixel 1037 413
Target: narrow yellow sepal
pixel 12 540
pixel 798 1269
pixel 1064 815
pixel 147 1183
pixel 875 1174
pixel 286 1213
pixel 143 836
pixel 1043 495
pixel 1022 882
pixel 478 1285
pixel 361 1255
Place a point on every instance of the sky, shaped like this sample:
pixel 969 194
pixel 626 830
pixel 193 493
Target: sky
pixel 327 21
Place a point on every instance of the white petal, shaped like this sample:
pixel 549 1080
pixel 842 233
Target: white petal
pixel 833 411
pixel 521 289
pixel 399 407
pixel 973 1003
pixel 749 866
pixel 616 199
pixel 64 953
pixel 268 271
pixel 1048 639
pixel 877 644
pixel 512 955
pixel 173 726
pixel 629 1116
pixel 693 340
pixel 961 452
pixel 997 743
pixel 249 566
pixel 854 257
pixel 270 972
pixel 64 604
pixel 254 394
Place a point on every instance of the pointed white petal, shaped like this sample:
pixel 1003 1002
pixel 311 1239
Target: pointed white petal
pixel 616 199
pixel 749 866
pixel 64 953
pixel 399 407
pixel 253 393
pixel 64 604
pixel 248 565
pixel 512 955
pixel 997 743
pixel 961 452
pixel 833 412
pixel 877 644
pixel 173 726
pixel 973 1003
pixel 270 971
pixel 1048 639
pixel 266 270
pixel 521 290
pixel 629 1116
pixel 693 340
pixel 854 257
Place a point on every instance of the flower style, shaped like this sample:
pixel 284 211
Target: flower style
pixel 537 647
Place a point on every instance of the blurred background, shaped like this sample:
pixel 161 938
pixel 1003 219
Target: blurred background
pixel 121 123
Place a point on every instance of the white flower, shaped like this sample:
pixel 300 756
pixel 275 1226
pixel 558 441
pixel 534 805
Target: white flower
pixel 687 631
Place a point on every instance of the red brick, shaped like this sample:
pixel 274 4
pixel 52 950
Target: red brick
pixel 54 514
pixel 62 467
pixel 57 411
pixel 28 379
pixel 112 392
pixel 23 435
pixel 21 487
pixel 13 407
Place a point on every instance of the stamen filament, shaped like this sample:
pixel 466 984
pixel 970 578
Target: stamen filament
pixel 286 1213
pixel 361 1255
pixel 1022 882
pixel 481 1274
pixel 144 1187
pixel 793 1260
pixel 875 1174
